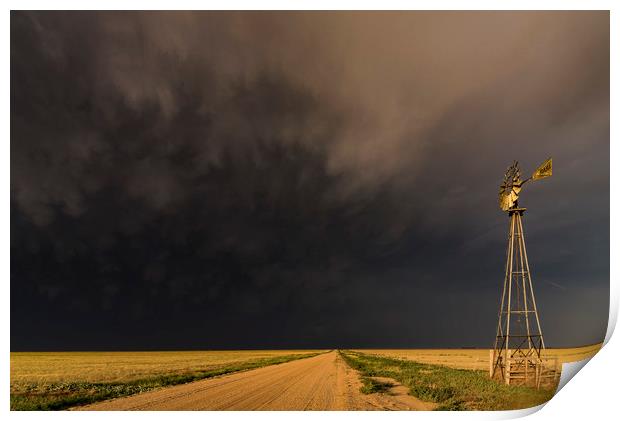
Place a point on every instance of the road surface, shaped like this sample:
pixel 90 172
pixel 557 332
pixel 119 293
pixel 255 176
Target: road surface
pixel 324 382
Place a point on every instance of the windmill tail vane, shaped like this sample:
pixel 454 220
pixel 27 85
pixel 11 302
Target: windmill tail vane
pixel 544 170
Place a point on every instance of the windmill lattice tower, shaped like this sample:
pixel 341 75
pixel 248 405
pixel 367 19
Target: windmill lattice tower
pixel 516 357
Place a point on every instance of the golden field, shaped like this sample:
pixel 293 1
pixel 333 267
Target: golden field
pixel 476 359
pixel 60 380
pixel 60 367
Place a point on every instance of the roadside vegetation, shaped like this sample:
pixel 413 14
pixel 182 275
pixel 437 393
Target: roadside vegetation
pixel 57 395
pixel 370 385
pixel 451 388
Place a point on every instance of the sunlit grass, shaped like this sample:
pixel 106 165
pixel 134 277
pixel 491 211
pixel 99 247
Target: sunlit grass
pixel 475 359
pixel 58 380
pixel 452 389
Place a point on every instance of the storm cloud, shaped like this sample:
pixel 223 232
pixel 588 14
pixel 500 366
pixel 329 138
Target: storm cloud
pixel 271 179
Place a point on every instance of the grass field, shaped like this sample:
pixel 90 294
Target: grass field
pixel 58 380
pixel 450 388
pixel 474 359
pixel 452 378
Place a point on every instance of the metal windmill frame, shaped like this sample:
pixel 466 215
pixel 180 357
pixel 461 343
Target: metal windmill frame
pixel 516 357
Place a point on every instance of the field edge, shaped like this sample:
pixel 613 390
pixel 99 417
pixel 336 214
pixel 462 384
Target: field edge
pixel 452 389
pixel 66 395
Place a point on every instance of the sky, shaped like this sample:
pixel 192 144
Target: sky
pixel 223 180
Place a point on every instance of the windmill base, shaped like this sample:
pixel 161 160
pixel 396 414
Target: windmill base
pixel 526 371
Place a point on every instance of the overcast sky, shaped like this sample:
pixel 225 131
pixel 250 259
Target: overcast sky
pixel 301 180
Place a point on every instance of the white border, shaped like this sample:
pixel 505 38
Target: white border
pixel 588 395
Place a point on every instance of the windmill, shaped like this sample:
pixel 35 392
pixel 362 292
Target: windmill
pixel 516 356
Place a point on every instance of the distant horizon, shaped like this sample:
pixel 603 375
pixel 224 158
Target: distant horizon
pixel 285 349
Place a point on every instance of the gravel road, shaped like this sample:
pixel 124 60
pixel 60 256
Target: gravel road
pixel 324 382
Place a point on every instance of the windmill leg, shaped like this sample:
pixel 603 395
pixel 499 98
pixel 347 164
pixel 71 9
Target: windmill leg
pixel 499 336
pixel 524 270
pixel 542 340
pixel 508 309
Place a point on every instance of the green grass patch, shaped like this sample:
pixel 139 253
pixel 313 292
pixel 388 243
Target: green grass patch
pixel 57 396
pixel 373 386
pixel 453 389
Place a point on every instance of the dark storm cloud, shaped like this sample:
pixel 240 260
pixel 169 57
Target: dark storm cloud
pixel 302 179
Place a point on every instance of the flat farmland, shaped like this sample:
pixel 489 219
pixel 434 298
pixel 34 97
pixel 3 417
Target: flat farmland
pixel 56 367
pixel 57 380
pixel 379 379
pixel 475 359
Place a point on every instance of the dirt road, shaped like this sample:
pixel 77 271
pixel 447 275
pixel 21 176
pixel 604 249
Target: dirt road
pixel 324 382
